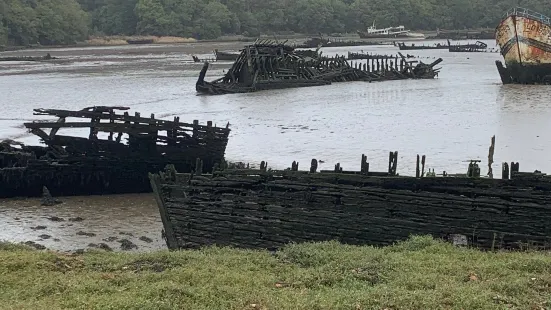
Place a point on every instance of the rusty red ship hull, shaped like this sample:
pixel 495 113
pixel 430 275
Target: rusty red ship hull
pixel 524 38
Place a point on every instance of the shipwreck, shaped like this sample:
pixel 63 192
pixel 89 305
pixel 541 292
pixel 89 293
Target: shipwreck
pixel 272 65
pixel 333 42
pixel 470 48
pixel 525 42
pixel 267 209
pixel 115 156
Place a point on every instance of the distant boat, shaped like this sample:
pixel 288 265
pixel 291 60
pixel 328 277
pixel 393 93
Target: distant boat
pixel 389 32
pixel 225 55
pixel 439 46
pixel 523 37
pixel 139 41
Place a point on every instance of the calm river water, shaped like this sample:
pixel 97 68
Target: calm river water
pixel 450 119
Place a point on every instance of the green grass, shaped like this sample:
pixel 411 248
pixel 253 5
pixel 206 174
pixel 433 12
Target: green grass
pixel 420 273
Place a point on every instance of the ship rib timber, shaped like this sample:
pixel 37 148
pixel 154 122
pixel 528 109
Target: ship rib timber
pixel 524 38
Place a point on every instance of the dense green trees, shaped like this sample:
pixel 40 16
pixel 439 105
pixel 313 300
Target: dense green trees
pixel 67 21
pixel 42 21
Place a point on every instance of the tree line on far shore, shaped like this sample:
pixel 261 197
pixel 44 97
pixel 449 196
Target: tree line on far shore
pixel 49 22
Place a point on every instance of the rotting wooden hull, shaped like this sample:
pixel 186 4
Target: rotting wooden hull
pixel 84 177
pixel 271 65
pixel 524 38
pixel 266 210
pixel 70 165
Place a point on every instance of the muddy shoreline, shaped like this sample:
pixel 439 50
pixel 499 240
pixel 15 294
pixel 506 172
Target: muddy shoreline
pixel 113 223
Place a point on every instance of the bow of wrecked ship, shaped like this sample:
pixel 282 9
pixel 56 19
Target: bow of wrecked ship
pixel 524 37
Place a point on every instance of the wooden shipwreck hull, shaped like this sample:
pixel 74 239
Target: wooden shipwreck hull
pixel 116 157
pixel 469 48
pixel 438 46
pixel 473 34
pixel 270 65
pixel 524 38
pixel 333 42
pixel 268 209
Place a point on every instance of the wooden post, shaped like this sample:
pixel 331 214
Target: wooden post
pixel 417 169
pixel 423 166
pixel 313 166
pixel 198 166
pixel 365 165
pixel 119 136
pixel 491 157
pixel 392 162
pixel 111 121
pixel 195 128
pixel 514 168
pixel 505 171
pixel 390 157
pixel 395 164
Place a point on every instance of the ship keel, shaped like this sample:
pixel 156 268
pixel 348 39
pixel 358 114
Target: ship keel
pixel 519 74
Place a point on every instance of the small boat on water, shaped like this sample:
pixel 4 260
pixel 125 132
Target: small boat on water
pixel 525 42
pixel 225 55
pixel 478 47
pixel 439 46
pixel 389 32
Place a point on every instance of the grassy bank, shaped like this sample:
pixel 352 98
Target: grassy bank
pixel 418 274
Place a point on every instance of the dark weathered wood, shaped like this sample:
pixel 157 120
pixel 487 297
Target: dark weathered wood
pixel 90 165
pixel 289 68
pixel 268 209
pixel 169 233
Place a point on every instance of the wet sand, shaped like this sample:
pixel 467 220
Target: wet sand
pixel 84 222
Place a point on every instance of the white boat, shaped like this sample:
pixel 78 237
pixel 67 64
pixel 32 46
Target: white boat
pixel 389 32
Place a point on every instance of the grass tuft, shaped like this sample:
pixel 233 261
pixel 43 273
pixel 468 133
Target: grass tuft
pixel 420 273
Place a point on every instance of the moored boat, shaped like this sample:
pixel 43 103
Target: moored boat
pixel 524 37
pixel 225 55
pixel 389 32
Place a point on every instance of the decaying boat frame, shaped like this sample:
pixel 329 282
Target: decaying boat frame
pixel 262 208
pixel 115 157
pixel 270 65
